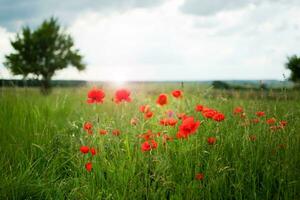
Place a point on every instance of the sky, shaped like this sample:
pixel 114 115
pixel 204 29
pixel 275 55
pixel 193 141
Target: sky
pixel 123 40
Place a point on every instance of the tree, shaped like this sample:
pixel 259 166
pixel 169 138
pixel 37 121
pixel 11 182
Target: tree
pixel 293 64
pixel 42 52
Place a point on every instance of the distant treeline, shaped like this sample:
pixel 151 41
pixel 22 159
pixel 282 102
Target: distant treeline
pixel 248 86
pixel 37 83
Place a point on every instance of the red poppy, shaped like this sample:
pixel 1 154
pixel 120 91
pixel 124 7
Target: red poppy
pixel 199 176
pixel 122 95
pixel 148 115
pixel 199 108
pixel 146 146
pixel 93 151
pixel 88 166
pixel 211 140
pixel 87 126
pixel 271 121
pixel 181 115
pixel 187 127
pixel 255 120
pixel 164 122
pixel 252 137
pixel 238 110
pixel 260 114
pixel 84 149
pixel 147 136
pixel 172 121
pixel 153 144
pixel 162 99
pixel 166 138
pixel 283 123
pixel 144 108
pixel 95 96
pixel 209 113
pixel 116 132
pixel 219 117
pixel 177 93
pixel 103 132
pixel 134 121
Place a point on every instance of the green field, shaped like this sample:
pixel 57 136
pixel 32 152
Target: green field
pixel 40 138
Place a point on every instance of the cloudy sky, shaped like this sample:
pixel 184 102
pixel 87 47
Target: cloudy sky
pixel 166 39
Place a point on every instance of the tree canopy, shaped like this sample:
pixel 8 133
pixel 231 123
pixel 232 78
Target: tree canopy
pixel 42 52
pixel 293 64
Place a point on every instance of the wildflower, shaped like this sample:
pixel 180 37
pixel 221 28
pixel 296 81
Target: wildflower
pixel 172 121
pixel 144 108
pixel 199 176
pixel 116 132
pixel 93 151
pixel 134 121
pixel 177 93
pixel 238 110
pixel 88 166
pixel 255 120
pixel 147 146
pixel 252 137
pixel 283 123
pixel 181 115
pixel 271 121
pixel 260 114
pixel 95 96
pixel 162 99
pixel 164 122
pixel 147 136
pixel 166 138
pixel 187 127
pixel 218 117
pixel 102 132
pixel 170 113
pixel 199 108
pixel 211 140
pixel 209 113
pixel 148 115
pixel 84 149
pixel 122 95
pixel 87 126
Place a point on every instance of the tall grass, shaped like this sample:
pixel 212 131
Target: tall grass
pixel 40 139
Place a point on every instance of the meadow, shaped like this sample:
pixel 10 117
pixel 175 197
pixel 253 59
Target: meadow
pixel 41 140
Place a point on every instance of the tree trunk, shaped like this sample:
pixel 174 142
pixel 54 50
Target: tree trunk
pixel 46 85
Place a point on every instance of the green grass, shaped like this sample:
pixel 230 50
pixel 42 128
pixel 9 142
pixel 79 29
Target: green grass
pixel 40 139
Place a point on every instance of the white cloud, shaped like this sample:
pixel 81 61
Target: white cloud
pixel 162 43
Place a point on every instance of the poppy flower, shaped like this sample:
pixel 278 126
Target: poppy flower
pixel 166 138
pixel 187 127
pixel 116 132
pixel 209 113
pixel 84 149
pixel 162 99
pixel 102 132
pixel 148 115
pixel 260 114
pixel 134 121
pixel 199 108
pixel 199 176
pixel 122 95
pixel 238 110
pixel 255 120
pixel 147 136
pixel 283 123
pixel 88 166
pixel 271 121
pixel 95 96
pixel 164 122
pixel 252 137
pixel 172 121
pixel 177 93
pixel 218 117
pixel 211 140
pixel 93 151
pixel 144 108
pixel 87 126
pixel 146 146
pixel 181 115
